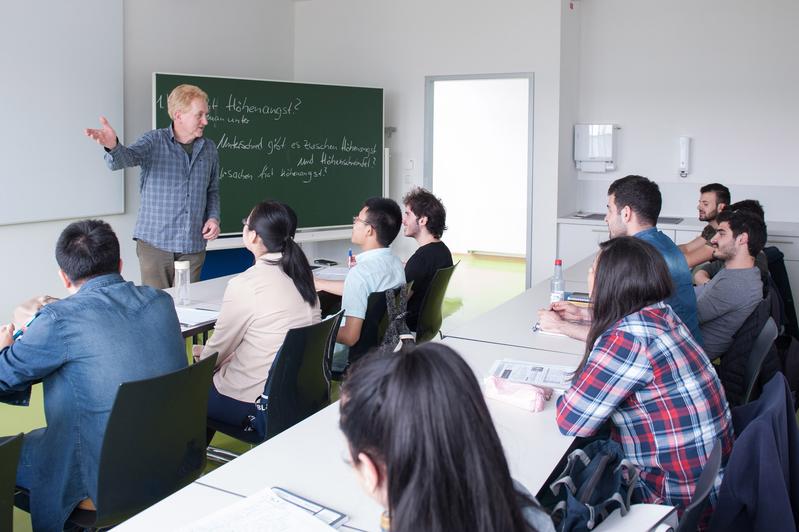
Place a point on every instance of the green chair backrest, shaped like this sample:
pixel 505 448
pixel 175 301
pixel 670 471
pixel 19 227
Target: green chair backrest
pixel 430 316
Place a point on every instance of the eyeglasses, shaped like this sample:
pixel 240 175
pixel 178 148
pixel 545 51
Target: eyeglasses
pixel 244 222
pixel 359 219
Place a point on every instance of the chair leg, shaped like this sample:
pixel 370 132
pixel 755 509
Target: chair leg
pixel 220 456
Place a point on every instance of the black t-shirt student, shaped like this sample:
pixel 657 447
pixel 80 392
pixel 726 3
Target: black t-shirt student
pixel 420 269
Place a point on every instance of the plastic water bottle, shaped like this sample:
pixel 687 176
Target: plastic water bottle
pixel 182 282
pixel 557 286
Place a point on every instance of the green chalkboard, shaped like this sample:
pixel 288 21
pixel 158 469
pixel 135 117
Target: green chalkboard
pixel 318 148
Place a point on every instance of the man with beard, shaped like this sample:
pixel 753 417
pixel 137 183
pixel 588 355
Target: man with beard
pixel 731 296
pixel 424 220
pixel 713 199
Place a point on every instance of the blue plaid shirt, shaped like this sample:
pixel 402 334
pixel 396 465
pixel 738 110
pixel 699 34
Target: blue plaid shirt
pixel 178 193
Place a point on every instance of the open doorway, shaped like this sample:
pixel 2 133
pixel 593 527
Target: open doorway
pixel 478 159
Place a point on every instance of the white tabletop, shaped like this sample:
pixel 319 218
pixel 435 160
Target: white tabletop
pixel 532 442
pixel 511 323
pixel 189 504
pixel 307 459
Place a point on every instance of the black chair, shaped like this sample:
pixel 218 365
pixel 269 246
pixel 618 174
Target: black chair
pixel 9 458
pixel 298 386
pixel 430 315
pixel 154 444
pixel 374 326
pixel 763 343
pixel 704 485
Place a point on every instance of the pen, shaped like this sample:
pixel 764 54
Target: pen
pixel 21 330
pixel 349 257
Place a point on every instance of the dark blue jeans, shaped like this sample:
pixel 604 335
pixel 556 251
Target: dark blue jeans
pixel 228 410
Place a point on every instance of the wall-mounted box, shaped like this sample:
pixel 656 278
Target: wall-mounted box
pixel 595 147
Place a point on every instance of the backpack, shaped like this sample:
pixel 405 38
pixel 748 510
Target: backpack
pixel 597 479
pixel 398 337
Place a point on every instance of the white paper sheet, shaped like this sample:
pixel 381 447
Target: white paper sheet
pixel 261 512
pixel 192 316
pixel 332 273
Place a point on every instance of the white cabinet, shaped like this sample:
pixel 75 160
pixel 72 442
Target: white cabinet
pixel 683 236
pixel 577 241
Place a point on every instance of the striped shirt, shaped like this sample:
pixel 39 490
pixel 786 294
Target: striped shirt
pixel 179 193
pixel 651 379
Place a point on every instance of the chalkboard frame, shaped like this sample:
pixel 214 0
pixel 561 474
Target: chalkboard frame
pixel 383 168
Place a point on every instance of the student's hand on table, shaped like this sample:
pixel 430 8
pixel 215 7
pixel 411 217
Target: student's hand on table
pixel 211 229
pixel 569 311
pixel 6 335
pixel 105 135
pixel 550 321
pixel 24 312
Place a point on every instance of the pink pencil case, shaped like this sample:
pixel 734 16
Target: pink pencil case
pixel 519 394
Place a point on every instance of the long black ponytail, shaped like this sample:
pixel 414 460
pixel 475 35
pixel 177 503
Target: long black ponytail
pixel 276 224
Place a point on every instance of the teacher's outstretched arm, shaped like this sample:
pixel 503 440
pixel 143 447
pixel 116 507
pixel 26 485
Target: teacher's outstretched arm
pixel 105 135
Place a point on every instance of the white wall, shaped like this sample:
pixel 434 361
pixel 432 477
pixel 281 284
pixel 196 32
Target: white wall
pixel 724 72
pixel 251 38
pixel 396 44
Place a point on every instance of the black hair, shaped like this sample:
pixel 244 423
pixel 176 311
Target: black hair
pixel 86 249
pixel 276 223
pixel 385 216
pixel 629 275
pixel 424 203
pixel 640 194
pixel 746 221
pixel 749 205
pixel 722 192
pixel 421 417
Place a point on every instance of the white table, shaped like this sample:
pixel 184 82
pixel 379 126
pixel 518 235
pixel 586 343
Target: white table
pixel 532 441
pixel 511 323
pixel 191 503
pixel 308 459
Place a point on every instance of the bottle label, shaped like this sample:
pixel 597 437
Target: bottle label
pixel 556 296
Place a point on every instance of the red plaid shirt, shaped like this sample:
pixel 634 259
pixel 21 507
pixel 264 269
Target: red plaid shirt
pixel 650 378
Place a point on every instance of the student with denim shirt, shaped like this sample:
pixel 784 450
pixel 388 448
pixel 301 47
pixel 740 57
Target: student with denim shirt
pixel 108 331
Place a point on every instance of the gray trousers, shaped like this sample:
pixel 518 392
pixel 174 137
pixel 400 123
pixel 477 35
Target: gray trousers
pixel 158 266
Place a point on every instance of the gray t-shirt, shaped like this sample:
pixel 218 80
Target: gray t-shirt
pixel 724 304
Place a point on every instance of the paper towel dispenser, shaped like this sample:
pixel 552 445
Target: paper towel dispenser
pixel 595 147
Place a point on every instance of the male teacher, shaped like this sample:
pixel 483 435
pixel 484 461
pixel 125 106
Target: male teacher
pixel 179 209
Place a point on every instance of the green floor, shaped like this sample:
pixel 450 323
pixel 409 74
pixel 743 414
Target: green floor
pixel 479 284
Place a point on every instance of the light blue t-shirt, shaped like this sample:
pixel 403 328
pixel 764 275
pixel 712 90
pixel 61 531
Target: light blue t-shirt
pixel 683 300
pixel 375 270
